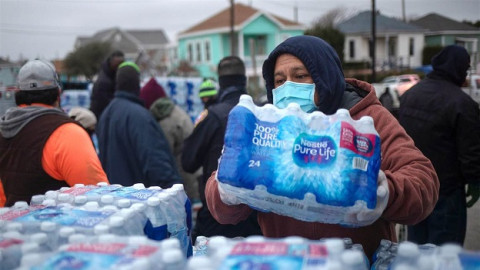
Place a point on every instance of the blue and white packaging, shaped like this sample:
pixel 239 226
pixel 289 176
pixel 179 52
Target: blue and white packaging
pixel 309 166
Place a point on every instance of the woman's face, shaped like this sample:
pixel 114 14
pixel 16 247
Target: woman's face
pixel 289 68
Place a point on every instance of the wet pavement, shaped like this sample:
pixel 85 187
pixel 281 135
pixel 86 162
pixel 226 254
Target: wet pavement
pixel 472 239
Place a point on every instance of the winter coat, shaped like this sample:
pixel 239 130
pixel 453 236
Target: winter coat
pixel 444 122
pixel 202 149
pixel 132 145
pixel 103 89
pixel 177 126
pixel 412 181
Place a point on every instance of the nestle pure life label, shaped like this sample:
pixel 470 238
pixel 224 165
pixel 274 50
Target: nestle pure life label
pixel 281 160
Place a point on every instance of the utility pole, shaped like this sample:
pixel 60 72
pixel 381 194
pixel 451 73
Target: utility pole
pixel 295 12
pixel 403 11
pixel 232 30
pixel 374 37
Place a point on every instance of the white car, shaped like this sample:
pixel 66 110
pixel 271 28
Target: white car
pixel 391 88
pixel 473 87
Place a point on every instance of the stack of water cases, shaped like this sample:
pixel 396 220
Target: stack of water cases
pixel 256 252
pixel 312 167
pixel 409 256
pixel 82 214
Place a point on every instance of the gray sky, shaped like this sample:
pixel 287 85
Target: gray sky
pixel 48 28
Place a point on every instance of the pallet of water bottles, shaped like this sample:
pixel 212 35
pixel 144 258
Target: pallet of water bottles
pixel 410 256
pixel 53 218
pixel 258 252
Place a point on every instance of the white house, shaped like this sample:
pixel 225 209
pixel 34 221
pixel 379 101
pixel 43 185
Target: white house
pixel 398 44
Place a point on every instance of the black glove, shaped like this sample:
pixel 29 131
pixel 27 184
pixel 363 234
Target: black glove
pixel 473 191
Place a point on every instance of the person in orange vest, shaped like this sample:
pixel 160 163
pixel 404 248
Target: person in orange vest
pixel 41 148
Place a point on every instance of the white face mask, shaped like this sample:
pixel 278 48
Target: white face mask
pixel 300 93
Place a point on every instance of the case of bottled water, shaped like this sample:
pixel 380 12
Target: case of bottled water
pixel 312 167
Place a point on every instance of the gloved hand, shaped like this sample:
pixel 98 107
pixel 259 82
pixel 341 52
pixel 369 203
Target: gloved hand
pixel 365 216
pixel 473 191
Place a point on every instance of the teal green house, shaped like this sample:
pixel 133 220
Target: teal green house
pixel 256 33
pixel 443 31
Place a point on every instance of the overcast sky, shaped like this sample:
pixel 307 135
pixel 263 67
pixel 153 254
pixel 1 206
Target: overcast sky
pixel 48 28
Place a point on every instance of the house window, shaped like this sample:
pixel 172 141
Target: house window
pixel 411 47
pixel 207 51
pixel 190 52
pixel 199 51
pixel 261 45
pixel 351 47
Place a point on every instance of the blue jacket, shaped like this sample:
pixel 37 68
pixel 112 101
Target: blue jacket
pixel 132 145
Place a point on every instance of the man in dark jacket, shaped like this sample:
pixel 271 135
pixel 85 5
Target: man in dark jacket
pixel 203 147
pixel 102 92
pixel 444 122
pixel 132 146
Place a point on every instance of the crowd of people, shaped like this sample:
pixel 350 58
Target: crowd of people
pixel 428 156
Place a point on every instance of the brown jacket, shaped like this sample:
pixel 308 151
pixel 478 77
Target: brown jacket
pixel 412 182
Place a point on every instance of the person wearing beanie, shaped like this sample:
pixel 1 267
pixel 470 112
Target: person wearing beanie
pixel 208 92
pixel 104 86
pixel 176 124
pixel 151 91
pixel 444 122
pixel 307 69
pixel 41 148
pixel 204 146
pixel 133 148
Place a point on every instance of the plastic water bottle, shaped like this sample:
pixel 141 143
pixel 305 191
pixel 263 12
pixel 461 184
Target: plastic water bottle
pixel 107 200
pixel 101 229
pixel 200 262
pixel 91 206
pixel 80 200
pixel 156 225
pixel 353 260
pixel 14 227
pixel 124 203
pixel 133 223
pixel 64 199
pixel 448 257
pixel 37 199
pixel 49 202
pixel 51 194
pixel 138 186
pixel 117 226
pixel 170 243
pixel 407 254
pixel 173 259
pixel 201 245
pixel 42 240
pixel 77 238
pixel 63 235
pixel 20 205
pixel 50 230
pixel 30 260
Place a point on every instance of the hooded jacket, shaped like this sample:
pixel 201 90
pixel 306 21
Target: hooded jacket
pixel 43 149
pixel 412 181
pixel 203 148
pixel 328 78
pixel 177 126
pixel 132 145
pixel 444 121
pixel 103 89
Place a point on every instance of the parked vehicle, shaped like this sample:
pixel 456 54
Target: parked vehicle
pixel 391 88
pixel 473 87
pixel 7 98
